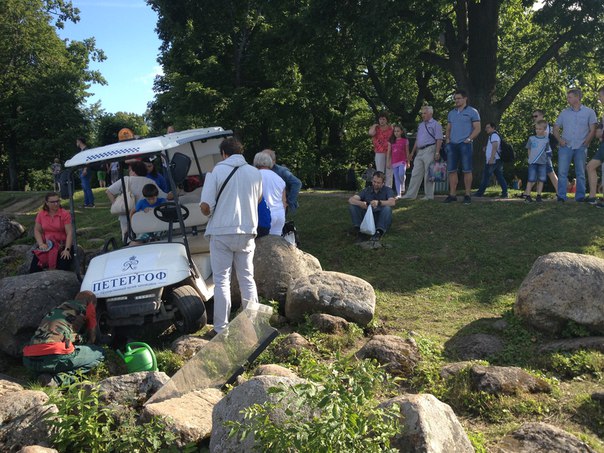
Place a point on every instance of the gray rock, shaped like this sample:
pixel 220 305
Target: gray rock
pixel 8 385
pixel 541 438
pixel 399 356
pixel 254 391
pixel 277 264
pixel 37 449
pixel 506 380
pixel 10 230
pixel 31 428
pixel 291 346
pixel 599 397
pixel 190 415
pixel 15 404
pixel 475 346
pixel 133 388
pixel 274 370
pixel 428 425
pixel 25 299
pixel 333 293
pixel 187 345
pixel 453 369
pixel 16 260
pixel 563 287
pixel 328 323
pixel 574 344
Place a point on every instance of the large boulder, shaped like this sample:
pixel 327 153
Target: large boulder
pixel 29 428
pixel 188 345
pixel 25 299
pixel 254 391
pixel 429 426
pixel 16 260
pixel 190 415
pixel 277 264
pixel 537 437
pixel 333 293
pixel 475 346
pixel 132 389
pixel 15 404
pixel 563 287
pixel 506 380
pixel 399 356
pixel 10 230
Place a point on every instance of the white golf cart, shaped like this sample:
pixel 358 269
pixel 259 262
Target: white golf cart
pixel 166 281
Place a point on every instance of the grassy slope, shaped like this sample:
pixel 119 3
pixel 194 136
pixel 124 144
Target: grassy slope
pixel 443 270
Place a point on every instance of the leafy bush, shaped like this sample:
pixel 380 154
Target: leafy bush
pixel 40 180
pixel 336 411
pixel 577 363
pixel 169 362
pixel 84 424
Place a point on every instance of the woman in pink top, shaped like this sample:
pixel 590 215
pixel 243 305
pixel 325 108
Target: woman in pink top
pixel 53 223
pixel 398 148
pixel 380 136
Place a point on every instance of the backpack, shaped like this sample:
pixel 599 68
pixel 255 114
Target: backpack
pixel 506 152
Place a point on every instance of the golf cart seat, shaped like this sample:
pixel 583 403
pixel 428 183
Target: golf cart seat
pixel 147 222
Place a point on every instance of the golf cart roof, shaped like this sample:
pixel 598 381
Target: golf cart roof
pixel 136 148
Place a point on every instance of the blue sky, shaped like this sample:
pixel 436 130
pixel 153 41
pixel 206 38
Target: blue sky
pixel 125 31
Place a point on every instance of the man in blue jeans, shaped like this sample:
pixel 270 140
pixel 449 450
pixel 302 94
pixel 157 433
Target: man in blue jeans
pixel 493 164
pixel 85 175
pixel 381 199
pixel 463 126
pixel 578 125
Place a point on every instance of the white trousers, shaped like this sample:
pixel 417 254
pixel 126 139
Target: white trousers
pixel 420 173
pixel 380 165
pixel 228 251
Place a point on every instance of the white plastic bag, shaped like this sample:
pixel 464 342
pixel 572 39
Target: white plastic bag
pixel 368 224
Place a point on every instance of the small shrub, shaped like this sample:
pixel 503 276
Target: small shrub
pixel 344 414
pixel 578 363
pixel 84 424
pixel 574 330
pixel 169 362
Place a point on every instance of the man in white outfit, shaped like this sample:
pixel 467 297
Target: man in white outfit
pixel 230 197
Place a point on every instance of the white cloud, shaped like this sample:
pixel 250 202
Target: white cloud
pixel 149 78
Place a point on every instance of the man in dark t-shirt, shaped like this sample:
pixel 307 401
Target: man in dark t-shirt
pixel 380 198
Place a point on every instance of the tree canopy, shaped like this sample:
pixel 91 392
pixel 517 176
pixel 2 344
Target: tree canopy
pixel 306 77
pixel 43 83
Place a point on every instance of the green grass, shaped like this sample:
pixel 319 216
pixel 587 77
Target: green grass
pixel 445 271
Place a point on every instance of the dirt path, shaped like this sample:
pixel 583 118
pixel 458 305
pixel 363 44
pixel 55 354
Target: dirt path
pixel 24 205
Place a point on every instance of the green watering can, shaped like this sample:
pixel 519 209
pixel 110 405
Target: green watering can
pixel 139 357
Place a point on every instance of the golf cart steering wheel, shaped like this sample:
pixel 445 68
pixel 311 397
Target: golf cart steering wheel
pixel 166 212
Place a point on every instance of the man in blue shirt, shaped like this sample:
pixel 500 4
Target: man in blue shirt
pixel 578 125
pixel 292 184
pixel 381 199
pixel 463 126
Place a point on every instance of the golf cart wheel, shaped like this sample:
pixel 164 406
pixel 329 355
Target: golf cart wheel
pixel 190 310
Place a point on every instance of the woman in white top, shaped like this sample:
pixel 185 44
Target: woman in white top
pixel 273 191
pixel 135 182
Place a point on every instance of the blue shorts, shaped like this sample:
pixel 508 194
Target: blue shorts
pixel 599 153
pixel 536 172
pixel 457 152
pixel 549 166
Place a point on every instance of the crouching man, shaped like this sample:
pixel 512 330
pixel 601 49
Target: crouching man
pixel 381 198
pixel 56 351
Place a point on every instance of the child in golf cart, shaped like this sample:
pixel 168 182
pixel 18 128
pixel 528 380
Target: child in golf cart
pixel 151 200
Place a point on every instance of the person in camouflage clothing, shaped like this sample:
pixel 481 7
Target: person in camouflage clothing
pixel 56 351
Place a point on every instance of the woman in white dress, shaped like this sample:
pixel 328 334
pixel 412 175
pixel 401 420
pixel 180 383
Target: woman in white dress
pixel 273 191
